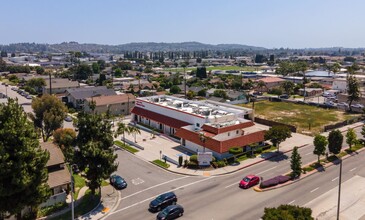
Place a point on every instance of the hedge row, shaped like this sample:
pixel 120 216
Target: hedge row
pixel 274 181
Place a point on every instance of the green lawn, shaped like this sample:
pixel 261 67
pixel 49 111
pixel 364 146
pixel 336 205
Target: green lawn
pixel 88 203
pixel 126 147
pixel 308 119
pixel 79 183
pixel 161 163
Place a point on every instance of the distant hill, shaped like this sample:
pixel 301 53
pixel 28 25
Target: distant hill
pixel 100 48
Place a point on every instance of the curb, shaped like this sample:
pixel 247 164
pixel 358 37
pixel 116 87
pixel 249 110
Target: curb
pixel 84 215
pixel 116 204
pixel 254 163
pixel 309 173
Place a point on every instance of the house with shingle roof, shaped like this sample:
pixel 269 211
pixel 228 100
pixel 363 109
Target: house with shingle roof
pixel 59 85
pixel 59 178
pixel 117 104
pixel 77 96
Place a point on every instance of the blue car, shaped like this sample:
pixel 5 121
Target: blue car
pixel 118 182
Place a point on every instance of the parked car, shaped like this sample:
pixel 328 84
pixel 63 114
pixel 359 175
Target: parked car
pixel 343 104
pixel 28 97
pixel 163 201
pixel 357 106
pixel 171 212
pixel 68 119
pixel 248 181
pixel 118 182
pixel 75 169
pixel 284 96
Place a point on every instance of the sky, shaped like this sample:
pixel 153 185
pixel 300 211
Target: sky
pixel 265 23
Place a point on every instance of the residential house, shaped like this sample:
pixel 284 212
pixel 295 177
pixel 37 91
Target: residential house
pixel 59 178
pixel 77 96
pixel 310 92
pixel 270 82
pixel 59 85
pixel 116 104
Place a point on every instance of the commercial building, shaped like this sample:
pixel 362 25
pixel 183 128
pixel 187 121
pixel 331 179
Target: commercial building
pixel 116 104
pixel 200 125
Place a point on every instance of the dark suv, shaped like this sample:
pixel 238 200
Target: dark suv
pixel 163 201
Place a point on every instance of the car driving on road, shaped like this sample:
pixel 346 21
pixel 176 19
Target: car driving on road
pixel 171 212
pixel 248 181
pixel 163 201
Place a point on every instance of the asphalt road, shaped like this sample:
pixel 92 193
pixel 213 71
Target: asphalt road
pixel 219 197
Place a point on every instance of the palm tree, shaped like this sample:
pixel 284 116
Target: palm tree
pixel 122 129
pixel 134 130
pixel 261 84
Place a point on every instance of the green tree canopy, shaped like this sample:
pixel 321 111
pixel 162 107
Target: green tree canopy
pixel 351 137
pixel 287 212
pixel 320 142
pixel 96 68
pixel 65 138
pixel 23 173
pixel 335 139
pixel 288 87
pixel 353 90
pixel 49 113
pixel 295 163
pixel 175 89
pixel 277 134
pixel 95 141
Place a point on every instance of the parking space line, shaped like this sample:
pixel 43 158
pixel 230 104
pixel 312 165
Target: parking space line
pixel 291 202
pixel 231 185
pixel 353 169
pixel 335 179
pixel 314 189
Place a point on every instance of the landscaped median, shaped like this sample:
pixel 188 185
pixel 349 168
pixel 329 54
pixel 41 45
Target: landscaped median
pixel 126 147
pixel 308 170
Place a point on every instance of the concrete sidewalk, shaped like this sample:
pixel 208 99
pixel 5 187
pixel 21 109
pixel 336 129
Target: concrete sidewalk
pixel 109 201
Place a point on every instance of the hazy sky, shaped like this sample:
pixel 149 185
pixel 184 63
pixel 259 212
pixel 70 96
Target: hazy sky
pixel 267 23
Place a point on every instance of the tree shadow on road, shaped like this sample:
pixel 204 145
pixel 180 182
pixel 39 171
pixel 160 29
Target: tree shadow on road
pixel 274 156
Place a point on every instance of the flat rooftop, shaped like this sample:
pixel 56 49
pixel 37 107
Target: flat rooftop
pixel 208 109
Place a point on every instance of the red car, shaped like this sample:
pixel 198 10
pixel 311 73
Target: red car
pixel 248 181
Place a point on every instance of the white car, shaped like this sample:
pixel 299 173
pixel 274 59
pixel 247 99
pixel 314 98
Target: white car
pixel 343 104
pixel 357 106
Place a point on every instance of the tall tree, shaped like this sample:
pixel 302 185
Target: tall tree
pixel 277 134
pixel 335 139
pixel 351 137
pixel 49 113
pixel 95 141
pixel 296 163
pixel 122 129
pixel 65 138
pixel 320 142
pixel 287 212
pixel 96 68
pixel 288 87
pixel 363 131
pixel 134 131
pixel 353 90
pixel 23 173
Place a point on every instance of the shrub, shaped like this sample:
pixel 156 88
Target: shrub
pixel 235 150
pixel 221 164
pixel 258 151
pixel 186 163
pixel 180 160
pixel 194 158
pixel 192 164
pixel 275 181
pixel 214 164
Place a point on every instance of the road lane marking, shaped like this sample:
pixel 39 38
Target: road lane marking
pixel 231 185
pixel 335 179
pixel 266 170
pixel 291 202
pixel 140 202
pixel 353 169
pixel 315 189
pixel 153 187
pixel 308 153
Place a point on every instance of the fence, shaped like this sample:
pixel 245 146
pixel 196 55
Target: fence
pixel 273 123
pixel 341 124
pixel 60 197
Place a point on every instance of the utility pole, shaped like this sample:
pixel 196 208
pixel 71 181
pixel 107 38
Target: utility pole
pixel 50 84
pixel 339 191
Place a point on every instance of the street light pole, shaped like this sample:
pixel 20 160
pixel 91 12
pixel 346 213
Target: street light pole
pixel 339 191
pixel 72 196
